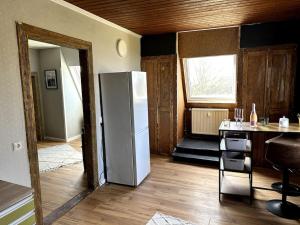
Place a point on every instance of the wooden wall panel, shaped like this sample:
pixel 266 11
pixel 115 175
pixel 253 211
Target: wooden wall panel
pixel 272 34
pixel 180 105
pixel 162 95
pixel 259 148
pixel 165 105
pixel 151 67
pixel 254 70
pixel 281 81
pixel 268 81
pixel 258 140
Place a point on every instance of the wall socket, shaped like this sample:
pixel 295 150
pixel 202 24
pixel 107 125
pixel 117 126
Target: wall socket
pixel 17 146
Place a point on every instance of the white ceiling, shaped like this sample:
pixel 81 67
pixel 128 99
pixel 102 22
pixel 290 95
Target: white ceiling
pixel 40 45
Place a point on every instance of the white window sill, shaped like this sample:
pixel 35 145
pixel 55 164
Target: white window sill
pixel 212 101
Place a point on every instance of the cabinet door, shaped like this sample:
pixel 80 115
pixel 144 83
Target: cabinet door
pixel 260 148
pixel 254 80
pixel 280 83
pixel 165 104
pixel 150 67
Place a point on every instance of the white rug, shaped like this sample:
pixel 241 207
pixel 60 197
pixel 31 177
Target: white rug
pixel 162 219
pixel 54 157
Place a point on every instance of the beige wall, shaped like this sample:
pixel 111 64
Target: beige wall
pixel 34 58
pixel 73 109
pixel 52 99
pixel 14 166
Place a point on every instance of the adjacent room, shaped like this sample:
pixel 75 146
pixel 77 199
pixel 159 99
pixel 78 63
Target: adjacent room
pixel 57 94
pixel 150 112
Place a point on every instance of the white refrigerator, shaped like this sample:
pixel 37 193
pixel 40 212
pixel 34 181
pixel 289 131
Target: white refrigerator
pixel 126 132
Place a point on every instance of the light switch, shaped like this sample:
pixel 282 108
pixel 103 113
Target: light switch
pixel 17 146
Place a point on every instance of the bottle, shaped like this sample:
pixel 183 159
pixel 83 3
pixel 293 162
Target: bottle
pixel 253 117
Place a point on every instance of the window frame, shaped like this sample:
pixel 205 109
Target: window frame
pixel 208 100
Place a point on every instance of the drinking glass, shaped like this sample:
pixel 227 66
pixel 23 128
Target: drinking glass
pixel 241 116
pixel 226 122
pixel 236 115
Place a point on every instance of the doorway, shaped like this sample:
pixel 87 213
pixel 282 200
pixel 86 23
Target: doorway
pixel 36 127
pixel 58 111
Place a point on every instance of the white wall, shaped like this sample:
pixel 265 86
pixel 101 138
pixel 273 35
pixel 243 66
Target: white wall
pixel 52 99
pixel 71 93
pixel 34 58
pixel 62 107
pixel 14 166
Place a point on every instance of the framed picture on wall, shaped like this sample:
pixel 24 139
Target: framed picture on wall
pixel 51 79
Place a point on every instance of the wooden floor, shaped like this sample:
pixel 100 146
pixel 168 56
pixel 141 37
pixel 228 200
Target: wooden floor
pixel 76 144
pixel 59 186
pixel 186 191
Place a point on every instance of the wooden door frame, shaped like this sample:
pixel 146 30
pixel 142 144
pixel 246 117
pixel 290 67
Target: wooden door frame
pixel 36 81
pixel 25 32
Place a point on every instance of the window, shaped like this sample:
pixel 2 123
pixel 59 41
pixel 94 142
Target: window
pixel 211 79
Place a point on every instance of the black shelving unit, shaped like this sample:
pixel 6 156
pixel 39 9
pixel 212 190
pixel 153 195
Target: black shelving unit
pixel 234 181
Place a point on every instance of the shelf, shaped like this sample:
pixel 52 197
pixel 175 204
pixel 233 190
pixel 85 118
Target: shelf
pixel 232 180
pixel 223 147
pixel 247 166
pixel 232 185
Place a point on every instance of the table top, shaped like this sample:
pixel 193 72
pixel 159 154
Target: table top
pixel 271 127
pixel 10 194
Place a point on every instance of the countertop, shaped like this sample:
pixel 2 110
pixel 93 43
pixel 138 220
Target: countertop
pixel 10 194
pixel 271 128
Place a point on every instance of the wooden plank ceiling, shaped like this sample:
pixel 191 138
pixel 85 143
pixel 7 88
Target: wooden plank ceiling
pixel 161 16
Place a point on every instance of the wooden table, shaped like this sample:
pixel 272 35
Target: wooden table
pixel 12 193
pixel 271 128
pixel 259 136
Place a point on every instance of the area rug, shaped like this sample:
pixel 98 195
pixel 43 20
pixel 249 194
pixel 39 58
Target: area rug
pixel 54 157
pixel 162 219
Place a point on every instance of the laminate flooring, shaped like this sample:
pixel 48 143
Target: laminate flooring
pixel 61 185
pixel 187 191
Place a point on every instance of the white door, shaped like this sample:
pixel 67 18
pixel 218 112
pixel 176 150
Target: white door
pixel 142 155
pixel 139 101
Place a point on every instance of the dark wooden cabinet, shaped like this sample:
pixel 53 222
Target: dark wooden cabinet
pixel 254 79
pixel 150 66
pixel 280 83
pixel 268 81
pixel 161 77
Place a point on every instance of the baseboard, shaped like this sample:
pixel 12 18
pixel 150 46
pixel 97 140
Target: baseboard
pixel 54 139
pixel 74 138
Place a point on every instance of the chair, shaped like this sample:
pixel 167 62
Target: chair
pixel 284 154
pixel 293 190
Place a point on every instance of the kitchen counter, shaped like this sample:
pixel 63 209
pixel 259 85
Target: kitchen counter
pixel 270 128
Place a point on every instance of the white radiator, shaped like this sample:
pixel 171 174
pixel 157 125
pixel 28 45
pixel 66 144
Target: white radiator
pixel 207 121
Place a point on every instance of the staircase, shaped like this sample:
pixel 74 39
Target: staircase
pixel 198 149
